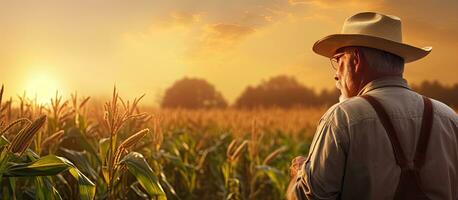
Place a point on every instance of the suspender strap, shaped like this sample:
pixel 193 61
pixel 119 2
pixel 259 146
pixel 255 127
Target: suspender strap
pixel 383 117
pixel 425 132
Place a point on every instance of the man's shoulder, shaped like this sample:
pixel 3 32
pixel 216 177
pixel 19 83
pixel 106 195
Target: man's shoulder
pixel 348 112
pixel 443 110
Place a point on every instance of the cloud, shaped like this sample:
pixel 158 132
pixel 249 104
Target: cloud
pixel 184 18
pixel 257 19
pixel 180 20
pixel 215 26
pixel 221 37
pixel 298 1
pixel 228 32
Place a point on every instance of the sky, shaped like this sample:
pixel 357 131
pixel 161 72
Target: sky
pixel 144 46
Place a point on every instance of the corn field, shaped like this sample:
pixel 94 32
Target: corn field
pixel 77 149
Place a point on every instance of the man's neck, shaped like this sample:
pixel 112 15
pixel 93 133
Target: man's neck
pixel 372 77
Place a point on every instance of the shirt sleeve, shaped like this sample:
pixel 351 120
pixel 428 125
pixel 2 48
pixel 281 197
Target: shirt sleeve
pixel 322 173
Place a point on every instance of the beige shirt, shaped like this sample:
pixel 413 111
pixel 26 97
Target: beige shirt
pixel 351 156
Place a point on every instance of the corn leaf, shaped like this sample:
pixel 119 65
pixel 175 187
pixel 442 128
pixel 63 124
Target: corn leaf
pixel 46 166
pixel 278 178
pixel 80 160
pixel 9 192
pixel 137 165
pixel 75 134
pixel 52 165
pixel 45 190
pixel 136 188
pixel 3 141
pixel 104 146
pixel 85 185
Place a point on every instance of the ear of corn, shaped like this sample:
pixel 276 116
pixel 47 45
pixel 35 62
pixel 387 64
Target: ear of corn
pixel 15 122
pixel 24 138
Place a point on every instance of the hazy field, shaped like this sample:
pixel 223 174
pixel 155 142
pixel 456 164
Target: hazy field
pixel 120 151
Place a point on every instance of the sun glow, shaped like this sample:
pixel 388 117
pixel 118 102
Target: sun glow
pixel 42 87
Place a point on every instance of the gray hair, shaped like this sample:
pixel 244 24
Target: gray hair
pixel 383 62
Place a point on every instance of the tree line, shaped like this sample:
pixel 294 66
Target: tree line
pixel 279 91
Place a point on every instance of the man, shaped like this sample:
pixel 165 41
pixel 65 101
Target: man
pixel 383 140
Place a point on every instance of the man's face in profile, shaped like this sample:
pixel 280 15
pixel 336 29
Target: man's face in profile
pixel 345 61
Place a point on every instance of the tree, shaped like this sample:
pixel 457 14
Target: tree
pixel 192 93
pixel 280 91
pixel 438 91
pixel 329 97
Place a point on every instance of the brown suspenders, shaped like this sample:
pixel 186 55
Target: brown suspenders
pixel 409 186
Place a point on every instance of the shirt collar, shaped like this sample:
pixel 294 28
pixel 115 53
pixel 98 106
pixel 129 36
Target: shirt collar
pixel 384 82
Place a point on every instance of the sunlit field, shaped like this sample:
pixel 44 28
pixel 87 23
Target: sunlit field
pixel 72 148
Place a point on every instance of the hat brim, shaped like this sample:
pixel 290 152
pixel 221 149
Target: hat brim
pixel 330 44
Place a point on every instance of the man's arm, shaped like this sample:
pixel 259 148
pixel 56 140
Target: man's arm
pixel 320 176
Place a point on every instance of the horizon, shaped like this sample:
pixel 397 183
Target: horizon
pixel 155 103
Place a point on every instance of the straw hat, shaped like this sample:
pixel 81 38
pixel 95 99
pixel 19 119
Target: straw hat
pixel 370 29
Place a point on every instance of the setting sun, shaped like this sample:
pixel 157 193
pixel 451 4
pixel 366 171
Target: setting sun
pixel 42 86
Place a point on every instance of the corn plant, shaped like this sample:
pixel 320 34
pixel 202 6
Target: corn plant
pixel 14 164
pixel 85 150
pixel 116 162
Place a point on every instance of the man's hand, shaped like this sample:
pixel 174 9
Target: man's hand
pixel 296 164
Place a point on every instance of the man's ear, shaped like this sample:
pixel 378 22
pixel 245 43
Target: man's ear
pixel 358 61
